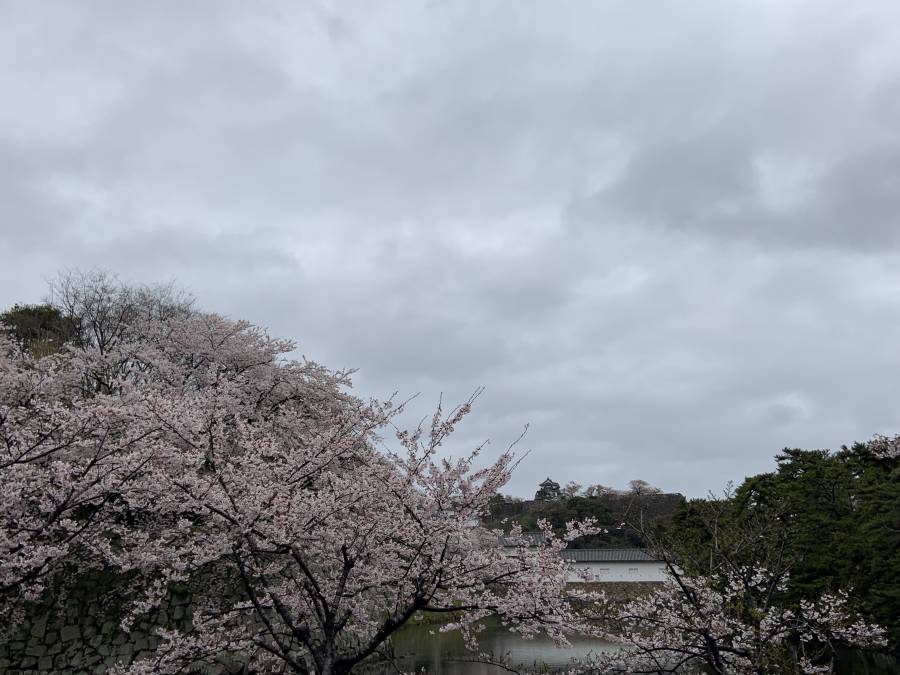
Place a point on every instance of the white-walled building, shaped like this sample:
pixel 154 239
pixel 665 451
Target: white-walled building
pixel 614 564
pixel 601 564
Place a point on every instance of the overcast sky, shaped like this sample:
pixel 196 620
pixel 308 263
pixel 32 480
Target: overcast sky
pixel 665 234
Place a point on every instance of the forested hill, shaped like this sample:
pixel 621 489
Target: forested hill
pixel 610 510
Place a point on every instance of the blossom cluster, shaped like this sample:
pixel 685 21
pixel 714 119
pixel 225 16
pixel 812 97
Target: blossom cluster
pixel 194 443
pixel 732 623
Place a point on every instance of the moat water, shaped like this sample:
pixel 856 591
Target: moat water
pixel 421 647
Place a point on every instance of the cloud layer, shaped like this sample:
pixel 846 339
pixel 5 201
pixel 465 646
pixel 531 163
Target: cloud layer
pixel 666 235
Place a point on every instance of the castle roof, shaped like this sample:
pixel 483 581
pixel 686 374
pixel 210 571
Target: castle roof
pixel 608 555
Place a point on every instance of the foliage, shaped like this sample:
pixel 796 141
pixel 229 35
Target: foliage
pixel 727 603
pixel 171 443
pixel 733 623
pixel 38 329
pixel 105 310
pixel 844 517
pixel 63 457
pixel 642 487
pixel 836 517
pixel 606 507
pixel 571 489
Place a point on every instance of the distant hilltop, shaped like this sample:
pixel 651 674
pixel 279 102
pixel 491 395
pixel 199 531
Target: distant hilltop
pixel 654 505
pixel 611 508
pixel 550 490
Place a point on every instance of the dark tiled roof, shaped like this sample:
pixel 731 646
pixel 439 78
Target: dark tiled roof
pixel 607 555
pixel 530 539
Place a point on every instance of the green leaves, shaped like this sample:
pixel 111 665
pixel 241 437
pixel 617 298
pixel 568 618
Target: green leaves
pixel 832 518
pixel 39 329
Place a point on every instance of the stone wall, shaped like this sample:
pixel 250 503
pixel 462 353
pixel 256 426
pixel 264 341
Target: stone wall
pixel 76 629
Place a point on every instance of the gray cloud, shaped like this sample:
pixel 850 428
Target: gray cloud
pixel 664 235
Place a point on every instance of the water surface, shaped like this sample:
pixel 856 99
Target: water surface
pixel 422 646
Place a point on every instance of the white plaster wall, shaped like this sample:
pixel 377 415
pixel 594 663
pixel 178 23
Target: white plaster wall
pixel 619 571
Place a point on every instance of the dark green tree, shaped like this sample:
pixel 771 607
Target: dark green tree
pixel 39 329
pixel 833 522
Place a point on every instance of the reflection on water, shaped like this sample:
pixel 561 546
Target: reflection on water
pixel 422 646
pixel 852 662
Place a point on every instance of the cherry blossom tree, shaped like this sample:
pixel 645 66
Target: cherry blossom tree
pixel 597 490
pixel 642 487
pixel 63 457
pixel 188 446
pixel 267 472
pixel 734 625
pixel 571 489
pixel 885 447
pixel 723 605
pixel 69 436
pixel 103 309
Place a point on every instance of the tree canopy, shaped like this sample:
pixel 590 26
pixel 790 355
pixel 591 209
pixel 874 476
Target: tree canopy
pixel 833 520
pixel 39 329
pixel 172 444
pixel 142 436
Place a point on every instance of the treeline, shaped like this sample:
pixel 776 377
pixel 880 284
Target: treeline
pixel 613 510
pixel 830 519
pixel 90 309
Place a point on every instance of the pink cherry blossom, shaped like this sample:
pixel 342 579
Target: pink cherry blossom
pixel 192 448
